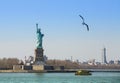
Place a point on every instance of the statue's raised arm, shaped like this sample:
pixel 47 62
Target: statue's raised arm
pixel 37 27
pixel 39 37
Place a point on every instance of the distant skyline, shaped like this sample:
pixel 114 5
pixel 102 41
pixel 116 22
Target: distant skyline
pixel 64 35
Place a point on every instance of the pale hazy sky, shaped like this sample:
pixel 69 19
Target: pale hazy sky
pixel 65 36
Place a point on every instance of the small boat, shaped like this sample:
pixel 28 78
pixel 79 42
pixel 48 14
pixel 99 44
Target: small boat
pixel 82 72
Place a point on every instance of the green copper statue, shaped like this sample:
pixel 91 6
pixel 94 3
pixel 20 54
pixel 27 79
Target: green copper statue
pixel 39 37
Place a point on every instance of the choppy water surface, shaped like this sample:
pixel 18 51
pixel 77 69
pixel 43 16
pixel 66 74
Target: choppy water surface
pixel 96 77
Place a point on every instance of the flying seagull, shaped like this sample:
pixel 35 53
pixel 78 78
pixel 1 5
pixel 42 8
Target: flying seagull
pixel 83 23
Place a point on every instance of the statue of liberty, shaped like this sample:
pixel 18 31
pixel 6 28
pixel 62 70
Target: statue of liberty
pixel 39 37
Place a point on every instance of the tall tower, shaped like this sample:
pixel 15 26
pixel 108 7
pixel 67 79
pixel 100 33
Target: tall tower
pixel 104 61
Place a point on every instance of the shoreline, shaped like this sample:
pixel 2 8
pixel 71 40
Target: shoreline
pixel 58 71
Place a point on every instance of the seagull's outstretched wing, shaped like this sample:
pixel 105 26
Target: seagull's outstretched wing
pixel 86 26
pixel 81 18
pixel 84 23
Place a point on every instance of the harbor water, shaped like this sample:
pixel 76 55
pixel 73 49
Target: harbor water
pixel 96 77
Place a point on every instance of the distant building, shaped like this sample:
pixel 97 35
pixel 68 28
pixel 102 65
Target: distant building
pixel 77 61
pixel 91 62
pixel 67 60
pixel 117 62
pixel 111 62
pixel 84 62
pixel 97 63
pixel 104 61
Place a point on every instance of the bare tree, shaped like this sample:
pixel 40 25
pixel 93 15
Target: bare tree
pixel 7 63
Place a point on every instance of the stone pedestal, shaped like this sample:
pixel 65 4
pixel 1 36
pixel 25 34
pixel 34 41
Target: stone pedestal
pixel 39 59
